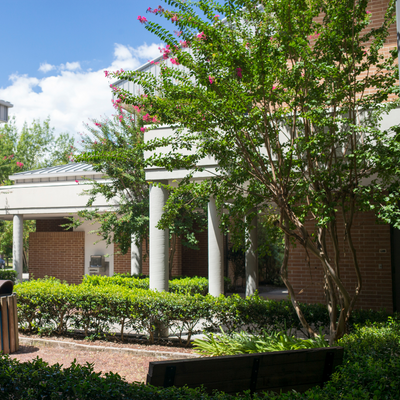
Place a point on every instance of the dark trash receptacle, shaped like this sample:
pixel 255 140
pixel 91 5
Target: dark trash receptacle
pixel 9 342
pixel 6 287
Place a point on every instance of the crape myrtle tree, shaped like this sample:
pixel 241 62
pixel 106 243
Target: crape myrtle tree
pixel 113 146
pixel 287 97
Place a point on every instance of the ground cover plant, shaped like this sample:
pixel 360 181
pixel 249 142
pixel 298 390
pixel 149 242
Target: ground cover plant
pixel 370 370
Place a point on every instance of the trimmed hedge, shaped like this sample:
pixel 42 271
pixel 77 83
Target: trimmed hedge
pixel 182 285
pixel 370 370
pixel 8 274
pixel 49 306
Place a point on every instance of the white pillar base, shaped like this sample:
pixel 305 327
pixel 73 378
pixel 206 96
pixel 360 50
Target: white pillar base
pixel 251 261
pixel 159 241
pixel 136 256
pixel 18 245
pixel 215 252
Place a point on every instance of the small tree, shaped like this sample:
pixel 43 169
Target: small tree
pixel 113 146
pixel 287 97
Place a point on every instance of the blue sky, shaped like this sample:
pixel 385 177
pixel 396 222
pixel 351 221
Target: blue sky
pixel 54 54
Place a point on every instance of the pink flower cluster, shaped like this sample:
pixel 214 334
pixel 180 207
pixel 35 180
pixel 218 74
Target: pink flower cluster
pixel 149 118
pixel 165 51
pixel 20 164
pixel 174 61
pixel 211 79
pixel 142 129
pixel 97 124
pixel 239 72
pixel 201 35
pixel 142 19
pixel 184 44
pixel 178 33
pixel 155 11
pixel 9 157
pixel 174 18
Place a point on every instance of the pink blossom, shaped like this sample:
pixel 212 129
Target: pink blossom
pixel 142 129
pixel 174 18
pixel 142 19
pixel 368 12
pixel 146 117
pixel 178 33
pixel 216 16
pixel 174 61
pixel 211 79
pixel 118 101
pixel 201 35
pixel 106 73
pixel 95 142
pixel 97 124
pixel 273 87
pixel 239 72
pixel 76 180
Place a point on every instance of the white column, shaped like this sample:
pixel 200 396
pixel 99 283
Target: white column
pixel 215 252
pixel 18 244
pixel 251 260
pixel 136 256
pixel 159 241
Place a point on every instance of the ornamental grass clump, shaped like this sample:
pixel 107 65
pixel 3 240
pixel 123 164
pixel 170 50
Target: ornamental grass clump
pixel 244 343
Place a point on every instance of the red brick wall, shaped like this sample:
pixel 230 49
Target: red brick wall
pixel 57 254
pixel 369 238
pixel 51 225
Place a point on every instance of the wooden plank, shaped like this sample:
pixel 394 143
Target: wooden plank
pixel 4 320
pixel 16 322
pixel 300 369
pixel 11 323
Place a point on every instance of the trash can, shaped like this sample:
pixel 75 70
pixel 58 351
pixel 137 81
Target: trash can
pixel 8 318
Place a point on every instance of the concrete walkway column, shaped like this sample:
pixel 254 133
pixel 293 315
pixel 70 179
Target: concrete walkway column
pixel 18 244
pixel 159 241
pixel 215 252
pixel 136 256
pixel 251 260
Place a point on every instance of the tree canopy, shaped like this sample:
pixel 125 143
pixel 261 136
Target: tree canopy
pixel 288 98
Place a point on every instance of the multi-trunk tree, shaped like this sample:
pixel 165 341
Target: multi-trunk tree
pixel 288 98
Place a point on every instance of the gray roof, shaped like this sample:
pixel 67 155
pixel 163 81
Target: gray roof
pixel 66 169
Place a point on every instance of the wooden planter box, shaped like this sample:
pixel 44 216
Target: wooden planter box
pixel 9 342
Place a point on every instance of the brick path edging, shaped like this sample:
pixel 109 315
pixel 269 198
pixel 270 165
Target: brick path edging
pixel 60 344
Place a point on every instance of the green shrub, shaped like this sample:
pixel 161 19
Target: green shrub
pixel 47 306
pixel 182 285
pixel 8 274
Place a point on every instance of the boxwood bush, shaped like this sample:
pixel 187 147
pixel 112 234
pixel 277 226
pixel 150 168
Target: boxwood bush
pixel 370 370
pixel 8 274
pixel 183 285
pixel 49 306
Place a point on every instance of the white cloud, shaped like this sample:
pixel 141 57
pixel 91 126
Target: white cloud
pixel 46 67
pixel 70 96
pixel 71 66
